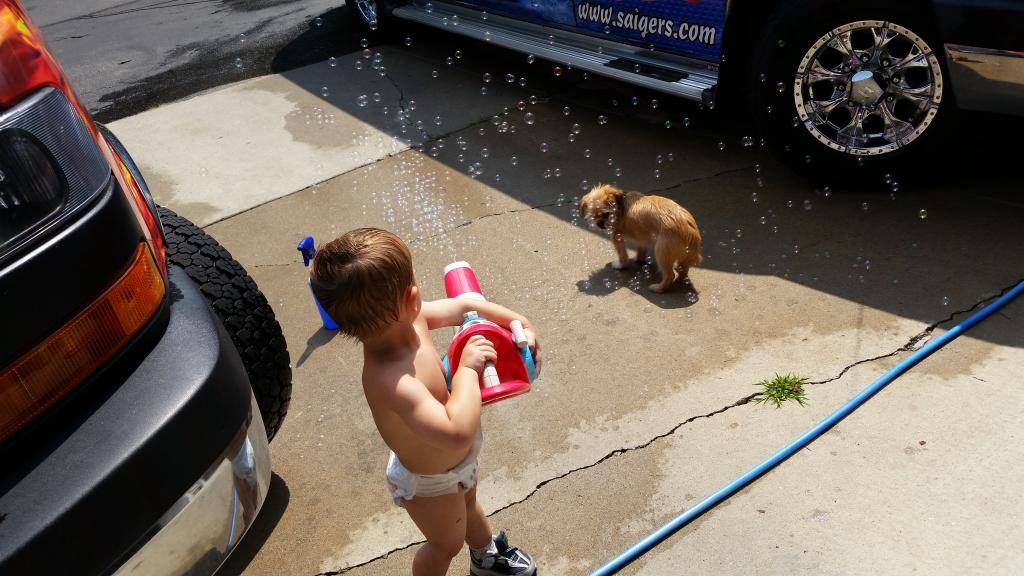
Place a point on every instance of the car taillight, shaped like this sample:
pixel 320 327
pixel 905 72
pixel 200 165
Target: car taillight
pixel 25 63
pixel 64 359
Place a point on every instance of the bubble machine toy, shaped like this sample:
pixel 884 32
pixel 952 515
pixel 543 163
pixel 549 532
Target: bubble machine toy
pixel 514 370
pixel 308 249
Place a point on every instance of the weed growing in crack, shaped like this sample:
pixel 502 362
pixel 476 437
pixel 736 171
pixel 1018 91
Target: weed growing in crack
pixel 781 389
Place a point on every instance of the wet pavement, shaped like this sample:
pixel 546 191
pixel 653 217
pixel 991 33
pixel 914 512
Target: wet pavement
pixel 642 406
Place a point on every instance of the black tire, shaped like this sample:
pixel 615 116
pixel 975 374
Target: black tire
pixel 790 33
pixel 379 30
pixel 242 309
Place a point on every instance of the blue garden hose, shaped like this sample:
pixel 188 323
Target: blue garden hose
pixel 656 537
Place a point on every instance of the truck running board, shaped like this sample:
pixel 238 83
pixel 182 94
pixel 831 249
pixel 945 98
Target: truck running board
pixel 632 64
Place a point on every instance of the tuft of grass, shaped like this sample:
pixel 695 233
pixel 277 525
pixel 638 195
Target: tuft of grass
pixel 781 389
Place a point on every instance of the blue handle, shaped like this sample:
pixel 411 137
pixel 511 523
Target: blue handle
pixel 308 249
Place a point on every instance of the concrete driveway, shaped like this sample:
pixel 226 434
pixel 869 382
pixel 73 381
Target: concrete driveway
pixel 642 406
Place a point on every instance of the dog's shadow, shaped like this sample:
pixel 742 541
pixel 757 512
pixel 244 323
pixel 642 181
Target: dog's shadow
pixel 606 280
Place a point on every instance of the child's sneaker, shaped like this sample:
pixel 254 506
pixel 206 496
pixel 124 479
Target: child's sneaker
pixel 508 560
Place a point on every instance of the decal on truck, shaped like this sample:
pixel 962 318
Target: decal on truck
pixel 690 27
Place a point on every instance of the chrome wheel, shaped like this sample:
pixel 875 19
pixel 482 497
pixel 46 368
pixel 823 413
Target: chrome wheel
pixel 868 88
pixel 368 11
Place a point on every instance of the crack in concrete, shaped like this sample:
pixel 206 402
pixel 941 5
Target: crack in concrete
pixel 912 344
pixel 472 221
pixel 699 179
pixel 406 118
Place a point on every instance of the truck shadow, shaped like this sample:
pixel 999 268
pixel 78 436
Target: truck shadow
pixel 920 252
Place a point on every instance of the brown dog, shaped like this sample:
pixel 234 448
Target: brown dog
pixel 650 221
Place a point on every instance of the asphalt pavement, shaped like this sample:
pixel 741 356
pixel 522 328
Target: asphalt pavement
pixel 126 56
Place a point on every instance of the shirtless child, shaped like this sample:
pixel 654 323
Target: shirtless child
pixel 364 280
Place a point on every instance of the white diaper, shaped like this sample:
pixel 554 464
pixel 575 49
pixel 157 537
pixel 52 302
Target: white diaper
pixel 404 485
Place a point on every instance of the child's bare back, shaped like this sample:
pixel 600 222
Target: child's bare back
pixel 389 382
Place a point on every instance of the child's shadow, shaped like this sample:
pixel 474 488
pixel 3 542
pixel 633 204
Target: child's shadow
pixel 606 280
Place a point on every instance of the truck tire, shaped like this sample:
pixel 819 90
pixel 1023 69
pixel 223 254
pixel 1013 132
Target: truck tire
pixel 372 17
pixel 242 309
pixel 849 89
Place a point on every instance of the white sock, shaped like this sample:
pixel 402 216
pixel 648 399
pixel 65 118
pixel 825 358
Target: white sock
pixel 479 554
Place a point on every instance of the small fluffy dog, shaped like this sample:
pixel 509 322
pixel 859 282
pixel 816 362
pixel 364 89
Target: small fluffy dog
pixel 650 221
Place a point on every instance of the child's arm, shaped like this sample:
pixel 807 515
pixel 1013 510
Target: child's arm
pixel 453 425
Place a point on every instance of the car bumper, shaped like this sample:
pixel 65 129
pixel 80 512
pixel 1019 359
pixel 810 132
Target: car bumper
pixel 199 531
pixel 140 472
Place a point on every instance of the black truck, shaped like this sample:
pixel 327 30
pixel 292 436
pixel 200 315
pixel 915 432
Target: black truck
pixel 142 372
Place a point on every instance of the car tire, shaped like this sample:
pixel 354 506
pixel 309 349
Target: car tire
pixel 361 12
pixel 797 78
pixel 242 309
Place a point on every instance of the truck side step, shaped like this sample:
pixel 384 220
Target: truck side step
pixel 686 78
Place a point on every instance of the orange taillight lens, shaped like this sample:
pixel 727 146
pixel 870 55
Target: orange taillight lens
pixel 67 357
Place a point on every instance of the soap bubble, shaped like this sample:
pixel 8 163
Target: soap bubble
pixel 922 214
pixel 585 185
pixel 780 87
pixel 485 152
pixel 363 42
pixel 510 78
pixel 514 160
pixel 566 111
pixel 757 168
pixel 449 61
pixel 557 70
pixel 458 54
pixel 586 153
pixel 434 73
pixel 654 102
pixel 324 91
pixel 238 62
pixel 781 43
pixel 686 121
pixel 483 90
pixel 318 21
pixel 362 101
pixel 895 186
pixel 864 206
pixel 721 145
pixel 408 41
pixel 528 118
pixel 487 77
pixel 807 204
pixel 376 96
pixel 945 300
pixel 576 128
pixel 668 123
pixel 747 141
pixel 530 58
pixel 543 146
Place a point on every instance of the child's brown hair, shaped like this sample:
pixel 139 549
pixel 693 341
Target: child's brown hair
pixel 360 278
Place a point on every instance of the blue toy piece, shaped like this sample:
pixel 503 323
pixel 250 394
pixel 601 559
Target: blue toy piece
pixel 308 249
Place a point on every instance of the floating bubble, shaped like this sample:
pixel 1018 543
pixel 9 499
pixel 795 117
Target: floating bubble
pixel 864 206
pixel 533 98
pixel 611 161
pixel 576 128
pixel 522 81
pixel 510 78
pixel 686 121
pixel 363 100
pixel 780 87
pixel 558 172
pixel 437 120
pixel 434 73
pixel 887 179
pixel 557 70
pixel 363 42
pixel 332 61
pixel 747 141
pixel 530 58
pixel 566 111
pixel 602 119
pixel 945 300
pixel 318 21
pixel 241 37
pixel 895 186
pixel 324 91
pixel 485 152
pixel 586 153
pixel 760 182
pixel 654 102
pixel 757 168
pixel 487 77
pixel 487 35
pixel 657 173
pixel 376 96
pixel 483 90
pixel 763 219
pixel 372 24
pixel 514 160
pixel 807 158
pixel 618 171
pixel 668 123
pixel 543 146
pixel 449 61
pixel 807 204
pixel 458 54
pixel 739 233
pixel 721 145
pixel 922 214
pixel 827 191
pixel 796 248
pixel 585 185
pixel 781 43
pixel 238 62
pixel 528 118
pixel 407 41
